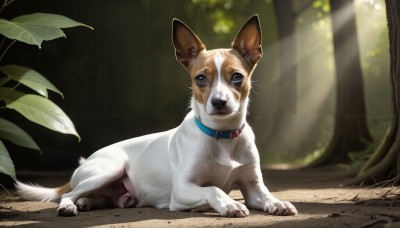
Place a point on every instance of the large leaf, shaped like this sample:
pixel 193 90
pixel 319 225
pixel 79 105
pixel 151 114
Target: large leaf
pixel 16 135
pixel 39 110
pixel 6 164
pixel 29 78
pixel 37 27
pixel 3 81
pixel 30 34
pixel 46 19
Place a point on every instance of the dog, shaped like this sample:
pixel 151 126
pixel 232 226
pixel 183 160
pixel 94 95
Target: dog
pixel 192 167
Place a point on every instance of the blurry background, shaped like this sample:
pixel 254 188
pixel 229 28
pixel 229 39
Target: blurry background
pixel 122 80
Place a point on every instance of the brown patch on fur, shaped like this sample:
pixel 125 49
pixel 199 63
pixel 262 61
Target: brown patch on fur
pixel 235 63
pixel 204 65
pixel 64 189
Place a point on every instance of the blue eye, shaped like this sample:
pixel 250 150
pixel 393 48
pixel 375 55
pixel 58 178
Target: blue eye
pixel 201 80
pixel 237 79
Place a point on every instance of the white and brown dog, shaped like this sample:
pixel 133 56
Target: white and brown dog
pixel 191 167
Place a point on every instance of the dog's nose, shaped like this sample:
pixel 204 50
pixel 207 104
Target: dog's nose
pixel 218 103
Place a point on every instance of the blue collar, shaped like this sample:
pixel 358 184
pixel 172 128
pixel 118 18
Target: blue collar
pixel 219 134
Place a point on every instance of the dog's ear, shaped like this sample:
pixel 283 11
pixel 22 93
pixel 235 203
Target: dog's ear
pixel 187 45
pixel 248 41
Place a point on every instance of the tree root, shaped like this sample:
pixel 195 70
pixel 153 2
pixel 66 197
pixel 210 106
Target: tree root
pixel 389 197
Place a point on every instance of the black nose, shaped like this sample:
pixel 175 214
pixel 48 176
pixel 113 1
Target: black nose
pixel 218 103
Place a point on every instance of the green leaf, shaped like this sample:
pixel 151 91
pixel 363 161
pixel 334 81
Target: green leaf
pixel 16 135
pixel 3 81
pixel 39 110
pixel 6 164
pixel 51 20
pixel 30 34
pixel 37 27
pixel 29 78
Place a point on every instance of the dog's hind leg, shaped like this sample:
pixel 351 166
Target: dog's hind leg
pixel 89 203
pixel 120 194
pixel 89 177
pixel 123 194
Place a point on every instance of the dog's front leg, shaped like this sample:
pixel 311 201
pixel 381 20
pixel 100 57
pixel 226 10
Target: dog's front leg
pixel 188 196
pixel 255 193
pixel 258 197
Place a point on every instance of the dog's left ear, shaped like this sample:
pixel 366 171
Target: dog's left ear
pixel 187 45
pixel 248 41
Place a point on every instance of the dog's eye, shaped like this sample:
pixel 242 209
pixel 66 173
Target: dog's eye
pixel 201 80
pixel 237 79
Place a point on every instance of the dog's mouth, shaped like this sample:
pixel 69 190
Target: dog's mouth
pixel 221 113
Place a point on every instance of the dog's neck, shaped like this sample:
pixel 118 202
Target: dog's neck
pixel 233 122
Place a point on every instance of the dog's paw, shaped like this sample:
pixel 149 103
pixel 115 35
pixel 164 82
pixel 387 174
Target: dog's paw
pixel 235 210
pixel 67 210
pixel 280 208
pixel 84 204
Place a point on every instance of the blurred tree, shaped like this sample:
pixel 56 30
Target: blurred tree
pixel 287 46
pixel 351 133
pixel 287 65
pixel 384 163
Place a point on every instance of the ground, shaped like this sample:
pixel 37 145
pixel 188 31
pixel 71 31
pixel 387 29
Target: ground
pixel 318 194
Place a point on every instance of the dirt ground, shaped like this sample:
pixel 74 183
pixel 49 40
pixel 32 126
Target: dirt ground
pixel 318 194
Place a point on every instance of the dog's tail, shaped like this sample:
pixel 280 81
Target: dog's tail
pixel 39 193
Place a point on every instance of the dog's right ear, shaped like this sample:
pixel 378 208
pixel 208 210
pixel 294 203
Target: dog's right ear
pixel 187 45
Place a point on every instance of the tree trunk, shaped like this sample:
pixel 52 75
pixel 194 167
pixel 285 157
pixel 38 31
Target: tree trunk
pixel 350 132
pixel 285 21
pixel 287 79
pixel 384 163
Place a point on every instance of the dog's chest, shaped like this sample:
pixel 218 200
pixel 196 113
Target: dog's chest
pixel 220 166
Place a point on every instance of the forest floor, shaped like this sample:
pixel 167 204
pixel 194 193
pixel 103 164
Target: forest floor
pixel 319 195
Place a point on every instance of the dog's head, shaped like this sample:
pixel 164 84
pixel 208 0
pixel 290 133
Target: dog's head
pixel 220 77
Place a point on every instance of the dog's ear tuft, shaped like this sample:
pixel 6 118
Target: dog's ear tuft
pixel 248 41
pixel 187 45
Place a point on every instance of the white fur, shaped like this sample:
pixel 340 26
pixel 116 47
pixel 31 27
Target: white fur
pixel 219 60
pixel 37 192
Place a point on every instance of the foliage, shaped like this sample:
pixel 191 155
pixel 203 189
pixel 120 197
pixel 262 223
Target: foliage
pixel 223 24
pixel 7 166
pixel 31 29
pixel 324 7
